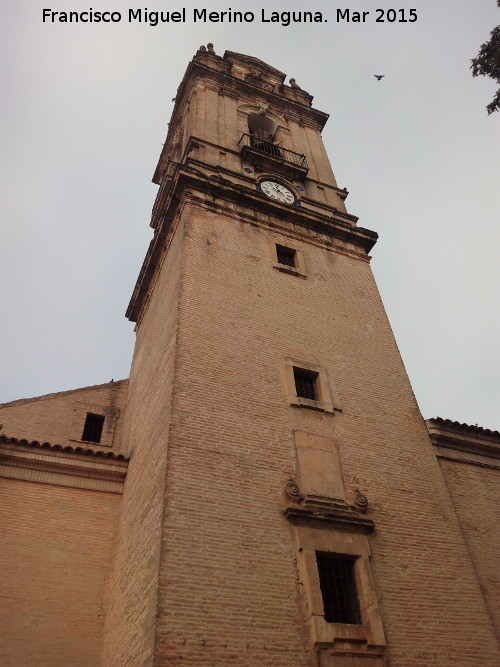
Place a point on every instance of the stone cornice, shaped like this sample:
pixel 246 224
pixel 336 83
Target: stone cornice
pixel 322 512
pixel 445 433
pixel 196 142
pixel 276 224
pixel 76 467
pixel 66 449
pixel 458 427
pixel 216 188
pixel 234 57
pixel 338 517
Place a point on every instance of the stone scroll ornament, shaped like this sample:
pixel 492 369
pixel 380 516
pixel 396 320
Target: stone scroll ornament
pixel 293 491
pixel 360 501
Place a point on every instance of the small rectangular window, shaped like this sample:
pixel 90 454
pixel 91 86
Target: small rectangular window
pixel 92 430
pixel 286 256
pixel 338 588
pixel 306 383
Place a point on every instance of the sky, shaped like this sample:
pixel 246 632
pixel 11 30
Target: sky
pixel 85 113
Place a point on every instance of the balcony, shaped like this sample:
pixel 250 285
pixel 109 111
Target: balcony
pixel 268 156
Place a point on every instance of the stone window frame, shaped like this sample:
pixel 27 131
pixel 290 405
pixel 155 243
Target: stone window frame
pixel 110 414
pixel 300 267
pixel 368 636
pixel 306 383
pixel 328 400
pixel 339 588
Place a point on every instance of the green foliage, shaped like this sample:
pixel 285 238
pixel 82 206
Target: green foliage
pixel 487 63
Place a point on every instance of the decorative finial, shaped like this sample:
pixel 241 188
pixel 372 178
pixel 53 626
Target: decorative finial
pixel 210 48
pixel 202 48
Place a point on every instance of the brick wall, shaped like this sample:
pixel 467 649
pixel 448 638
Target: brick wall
pixel 59 418
pixel 130 626
pixel 475 494
pixel 55 557
pixel 228 590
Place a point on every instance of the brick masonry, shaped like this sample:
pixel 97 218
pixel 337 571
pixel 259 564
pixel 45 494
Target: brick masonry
pixel 231 451
pixel 59 418
pixel 55 552
pixel 475 492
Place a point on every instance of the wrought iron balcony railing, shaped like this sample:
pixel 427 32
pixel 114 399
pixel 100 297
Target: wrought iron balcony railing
pixel 268 148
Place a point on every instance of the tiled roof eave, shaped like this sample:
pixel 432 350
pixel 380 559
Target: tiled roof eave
pixel 458 426
pixel 66 449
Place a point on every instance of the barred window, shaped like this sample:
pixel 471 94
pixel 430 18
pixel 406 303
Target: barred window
pixel 338 588
pixel 92 430
pixel 306 383
pixel 286 256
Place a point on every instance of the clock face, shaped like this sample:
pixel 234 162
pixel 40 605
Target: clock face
pixel 277 191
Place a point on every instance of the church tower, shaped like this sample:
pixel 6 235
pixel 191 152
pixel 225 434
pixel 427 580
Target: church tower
pixel 283 505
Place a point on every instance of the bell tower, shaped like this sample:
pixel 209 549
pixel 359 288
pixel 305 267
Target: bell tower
pixel 283 504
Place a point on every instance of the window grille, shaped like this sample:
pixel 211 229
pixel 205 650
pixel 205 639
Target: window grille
pixel 287 256
pixel 338 588
pixel 92 430
pixel 306 383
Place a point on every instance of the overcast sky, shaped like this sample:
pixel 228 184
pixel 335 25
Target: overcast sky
pixel 86 108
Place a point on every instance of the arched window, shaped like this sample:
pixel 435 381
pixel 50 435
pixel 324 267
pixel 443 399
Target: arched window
pixel 261 126
pixel 262 130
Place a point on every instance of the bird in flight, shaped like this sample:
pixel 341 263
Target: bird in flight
pixel 379 76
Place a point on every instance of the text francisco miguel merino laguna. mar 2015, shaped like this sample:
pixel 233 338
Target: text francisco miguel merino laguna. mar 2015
pixel 285 18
